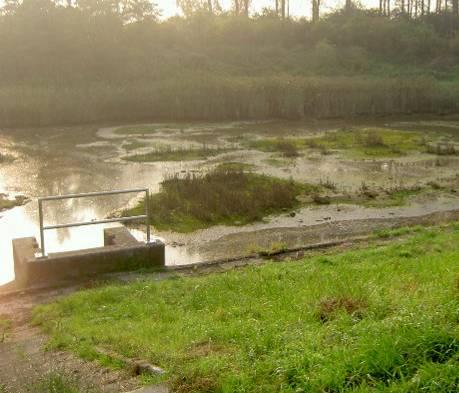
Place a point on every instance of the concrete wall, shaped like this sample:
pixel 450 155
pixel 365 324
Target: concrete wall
pixel 121 252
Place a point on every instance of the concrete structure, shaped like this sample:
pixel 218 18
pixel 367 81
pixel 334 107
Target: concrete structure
pixel 121 252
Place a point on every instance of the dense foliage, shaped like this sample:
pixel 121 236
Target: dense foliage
pixel 64 64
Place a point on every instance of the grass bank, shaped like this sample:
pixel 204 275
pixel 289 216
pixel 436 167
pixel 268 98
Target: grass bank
pixel 383 318
pixel 227 195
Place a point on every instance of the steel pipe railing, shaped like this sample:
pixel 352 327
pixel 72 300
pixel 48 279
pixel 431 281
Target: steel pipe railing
pixel 44 228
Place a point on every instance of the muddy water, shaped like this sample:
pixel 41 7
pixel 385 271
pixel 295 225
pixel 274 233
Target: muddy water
pixel 74 160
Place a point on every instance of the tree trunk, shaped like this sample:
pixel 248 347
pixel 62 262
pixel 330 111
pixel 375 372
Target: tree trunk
pixel 283 8
pixel 315 10
pixel 348 5
pixel 236 7
pixel 456 7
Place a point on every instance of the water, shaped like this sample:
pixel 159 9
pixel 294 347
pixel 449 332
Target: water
pixel 47 164
pixel 83 159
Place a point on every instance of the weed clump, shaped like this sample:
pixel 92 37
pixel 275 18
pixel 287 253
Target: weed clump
pixel 329 307
pixel 168 153
pixel 374 140
pixel 442 149
pixel 288 150
pixel 194 383
pixel 222 196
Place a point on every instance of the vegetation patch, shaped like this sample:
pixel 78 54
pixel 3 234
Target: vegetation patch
pixel 288 148
pixel 257 329
pixel 146 129
pixel 134 145
pixel 225 195
pixel 443 148
pixel 58 383
pixel 329 307
pixel 356 142
pixel 5 326
pixel 4 158
pixel 278 162
pixel 236 166
pixel 369 142
pixel 176 154
pixel 8 203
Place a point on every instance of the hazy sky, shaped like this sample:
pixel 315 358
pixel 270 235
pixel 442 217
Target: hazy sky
pixel 297 7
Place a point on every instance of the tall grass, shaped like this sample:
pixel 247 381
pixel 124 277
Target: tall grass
pixel 226 195
pixel 194 96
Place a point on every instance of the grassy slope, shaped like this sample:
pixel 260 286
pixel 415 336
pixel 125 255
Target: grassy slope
pixel 377 319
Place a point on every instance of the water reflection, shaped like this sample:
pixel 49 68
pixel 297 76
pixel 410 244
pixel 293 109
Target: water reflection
pixel 54 169
pixel 62 161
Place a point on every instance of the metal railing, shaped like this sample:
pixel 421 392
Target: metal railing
pixel 43 228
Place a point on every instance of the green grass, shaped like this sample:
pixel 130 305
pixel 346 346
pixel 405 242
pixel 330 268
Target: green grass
pixel 277 162
pixel 57 383
pixel 135 144
pixel 181 154
pixel 378 319
pixel 226 195
pixel 236 166
pixel 370 142
pixel 288 148
pixel 355 142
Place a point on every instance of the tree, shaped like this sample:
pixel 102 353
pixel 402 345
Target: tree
pixel 315 10
pixel 100 7
pixel 241 6
pixel 138 10
pixel 191 7
pixel 348 5
pixel 10 7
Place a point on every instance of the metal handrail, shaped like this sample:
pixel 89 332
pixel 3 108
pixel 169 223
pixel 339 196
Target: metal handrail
pixel 43 228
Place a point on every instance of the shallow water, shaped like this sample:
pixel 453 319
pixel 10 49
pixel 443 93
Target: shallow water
pixel 74 160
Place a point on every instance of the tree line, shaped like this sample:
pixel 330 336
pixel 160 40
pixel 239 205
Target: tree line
pixel 79 61
pixel 135 10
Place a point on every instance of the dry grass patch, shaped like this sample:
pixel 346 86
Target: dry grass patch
pixel 329 307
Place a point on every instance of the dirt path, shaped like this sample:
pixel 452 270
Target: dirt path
pixel 25 362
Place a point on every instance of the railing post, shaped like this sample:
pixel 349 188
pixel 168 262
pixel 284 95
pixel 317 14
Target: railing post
pixel 146 216
pixel 147 213
pixel 42 233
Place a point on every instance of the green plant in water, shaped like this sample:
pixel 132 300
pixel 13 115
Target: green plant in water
pixel 222 196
